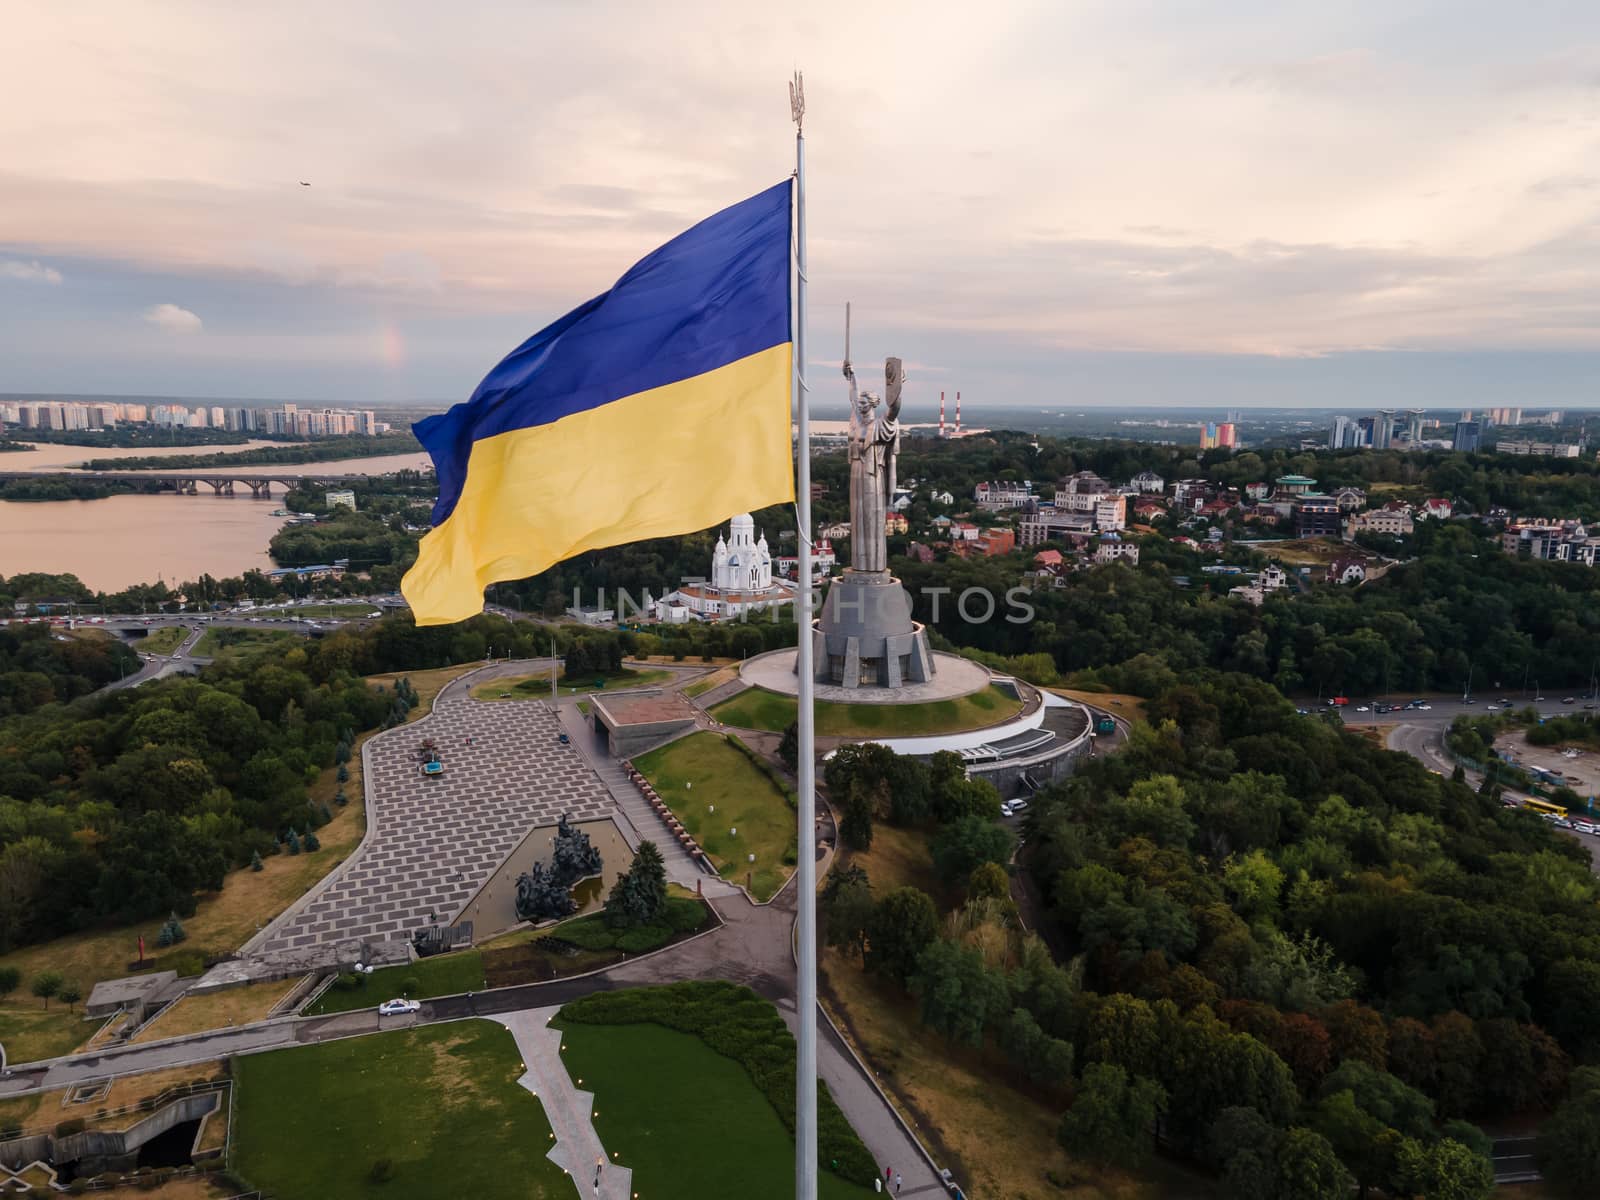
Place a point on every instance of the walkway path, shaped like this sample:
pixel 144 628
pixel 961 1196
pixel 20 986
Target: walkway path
pixel 569 1110
pixel 642 820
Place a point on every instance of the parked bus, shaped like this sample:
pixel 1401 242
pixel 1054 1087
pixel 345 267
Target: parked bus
pixel 1544 807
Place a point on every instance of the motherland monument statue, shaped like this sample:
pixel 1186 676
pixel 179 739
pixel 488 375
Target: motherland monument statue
pixel 865 636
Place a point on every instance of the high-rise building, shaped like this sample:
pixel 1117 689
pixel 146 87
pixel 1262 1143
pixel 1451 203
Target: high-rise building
pixel 1466 439
pixel 1414 425
pixel 1343 429
pixel 1383 429
pixel 1227 435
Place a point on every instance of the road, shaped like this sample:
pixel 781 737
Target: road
pixel 752 947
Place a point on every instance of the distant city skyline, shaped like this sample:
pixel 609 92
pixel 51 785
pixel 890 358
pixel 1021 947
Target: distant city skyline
pixel 1103 204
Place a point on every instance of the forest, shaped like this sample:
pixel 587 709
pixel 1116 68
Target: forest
pixel 1305 962
pixel 125 805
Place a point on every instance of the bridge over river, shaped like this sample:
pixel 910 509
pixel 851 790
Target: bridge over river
pixel 187 483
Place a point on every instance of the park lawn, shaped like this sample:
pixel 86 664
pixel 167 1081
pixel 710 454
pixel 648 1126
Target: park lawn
pixel 441 975
pixel 215 1010
pixel 699 1128
pixel 349 610
pixel 761 709
pixel 537 686
pixel 30 1031
pixel 441 1103
pixel 998 1140
pixel 898 858
pixel 161 641
pixel 744 798
pixel 716 679
pixel 220 641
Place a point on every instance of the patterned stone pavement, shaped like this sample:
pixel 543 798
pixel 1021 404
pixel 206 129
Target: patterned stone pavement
pixel 435 842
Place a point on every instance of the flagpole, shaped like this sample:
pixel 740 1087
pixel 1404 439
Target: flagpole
pixel 805 1081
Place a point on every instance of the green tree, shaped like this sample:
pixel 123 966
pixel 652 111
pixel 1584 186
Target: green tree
pixel 855 827
pixel 789 746
pixel 1308 1169
pixel 47 984
pixel 961 997
pixel 904 922
pixel 1112 1118
pixel 70 994
pixel 10 980
pixel 1569 1142
pixel 1242 1143
pixel 1442 1170
pixel 639 895
pixel 988 881
pixel 255 861
pixel 312 842
pixel 847 909
pixel 965 844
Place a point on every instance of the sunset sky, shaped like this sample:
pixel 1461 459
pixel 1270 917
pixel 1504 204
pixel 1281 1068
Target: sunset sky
pixel 1038 203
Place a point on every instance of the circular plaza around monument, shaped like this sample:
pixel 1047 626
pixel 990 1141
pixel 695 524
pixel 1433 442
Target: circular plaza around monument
pixel 953 678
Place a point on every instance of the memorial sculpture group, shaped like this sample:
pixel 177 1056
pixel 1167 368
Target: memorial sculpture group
pixel 545 893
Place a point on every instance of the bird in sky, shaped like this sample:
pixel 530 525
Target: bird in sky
pixel 303 183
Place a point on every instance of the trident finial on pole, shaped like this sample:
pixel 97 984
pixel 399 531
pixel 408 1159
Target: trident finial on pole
pixel 797 99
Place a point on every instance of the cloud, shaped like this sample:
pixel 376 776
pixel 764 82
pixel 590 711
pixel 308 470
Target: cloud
pixel 172 318
pixel 28 272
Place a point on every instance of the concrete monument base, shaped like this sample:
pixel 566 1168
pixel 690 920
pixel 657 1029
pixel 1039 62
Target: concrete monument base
pixel 865 637
pixel 953 677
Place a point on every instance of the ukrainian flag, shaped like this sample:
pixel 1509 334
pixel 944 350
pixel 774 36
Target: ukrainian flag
pixel 658 408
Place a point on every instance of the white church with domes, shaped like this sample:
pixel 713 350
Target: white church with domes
pixel 741 581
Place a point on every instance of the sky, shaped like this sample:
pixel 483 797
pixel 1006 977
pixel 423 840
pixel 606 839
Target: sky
pixel 1070 202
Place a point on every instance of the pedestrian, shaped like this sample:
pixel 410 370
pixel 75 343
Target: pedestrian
pixel 897 1182
pixel 877 1185
pixel 888 1175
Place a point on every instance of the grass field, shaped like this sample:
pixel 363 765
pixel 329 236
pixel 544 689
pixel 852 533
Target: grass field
pixel 759 709
pixel 898 858
pixel 537 687
pixel 441 1104
pixel 347 611
pixel 704 771
pixel 215 1010
pixel 716 679
pixel 161 641
pixel 221 640
pixel 442 975
pixel 29 1031
pixel 699 1129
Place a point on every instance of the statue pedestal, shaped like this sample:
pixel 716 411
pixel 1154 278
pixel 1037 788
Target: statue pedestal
pixel 866 637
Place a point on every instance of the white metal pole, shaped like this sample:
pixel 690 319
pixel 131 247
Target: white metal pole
pixel 805 1086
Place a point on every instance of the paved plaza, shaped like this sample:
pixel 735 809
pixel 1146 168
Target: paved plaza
pixel 435 842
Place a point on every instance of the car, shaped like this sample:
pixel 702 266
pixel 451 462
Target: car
pixel 1304 712
pixel 1005 808
pixel 1425 708
pixel 1492 708
pixel 397 1008
pixel 1569 699
pixel 1018 805
pixel 1362 708
pixel 1583 826
pixel 1562 823
pixel 1468 700
pixel 564 739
